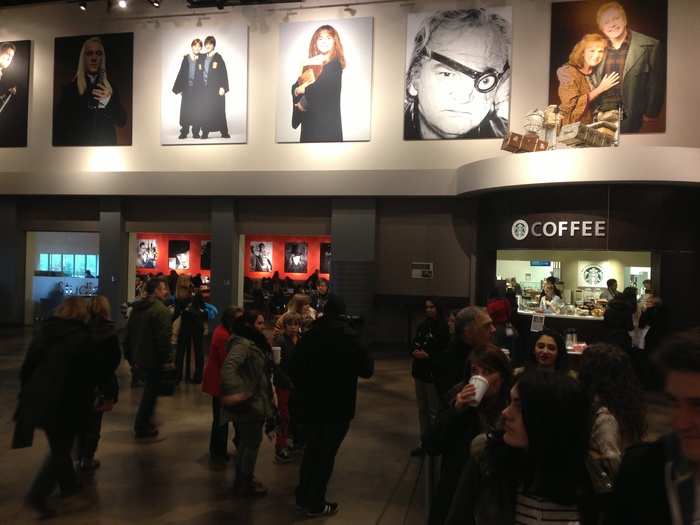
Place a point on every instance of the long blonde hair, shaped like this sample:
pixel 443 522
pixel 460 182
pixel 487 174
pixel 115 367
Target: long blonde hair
pixel 99 307
pixel 75 308
pixel 80 74
pixel 183 288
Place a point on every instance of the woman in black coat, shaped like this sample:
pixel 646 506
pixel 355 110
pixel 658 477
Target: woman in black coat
pixel 316 93
pixel 618 319
pixel 57 385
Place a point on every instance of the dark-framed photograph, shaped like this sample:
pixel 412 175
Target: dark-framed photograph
pixel 205 255
pixel 93 89
pixel 15 58
pixel 325 262
pixel 146 253
pixel 179 254
pixel 296 257
pixel 261 256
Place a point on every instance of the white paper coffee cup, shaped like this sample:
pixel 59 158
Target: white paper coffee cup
pixel 482 385
pixel 277 354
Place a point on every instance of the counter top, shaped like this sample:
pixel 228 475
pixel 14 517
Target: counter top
pixel 564 316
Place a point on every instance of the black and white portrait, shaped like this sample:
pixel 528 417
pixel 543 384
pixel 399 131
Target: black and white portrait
pixel 204 87
pixel 93 90
pixel 458 74
pixel 325 81
pixel 179 255
pixel 205 255
pixel 325 263
pixel 14 92
pixel 146 253
pixel 260 256
pixel 296 257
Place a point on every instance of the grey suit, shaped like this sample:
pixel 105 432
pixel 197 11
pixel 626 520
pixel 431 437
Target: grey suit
pixel 643 80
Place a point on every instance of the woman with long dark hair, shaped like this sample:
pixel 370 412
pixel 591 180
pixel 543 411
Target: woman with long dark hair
pixel 316 93
pixel 247 397
pixel 535 470
pixel 547 350
pixel 211 383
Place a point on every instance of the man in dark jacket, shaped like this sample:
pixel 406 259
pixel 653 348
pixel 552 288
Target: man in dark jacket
pixel 148 340
pixel 324 369
pixel 657 482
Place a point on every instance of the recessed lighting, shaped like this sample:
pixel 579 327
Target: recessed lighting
pixel 122 4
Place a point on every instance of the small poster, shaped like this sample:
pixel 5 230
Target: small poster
pixel 260 256
pixel 14 92
pixel 296 257
pixel 205 255
pixel 93 90
pixel 179 255
pixel 325 266
pixel 146 253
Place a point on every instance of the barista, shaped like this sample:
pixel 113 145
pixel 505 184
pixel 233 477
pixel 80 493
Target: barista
pixel 553 281
pixel 550 300
pixel 611 292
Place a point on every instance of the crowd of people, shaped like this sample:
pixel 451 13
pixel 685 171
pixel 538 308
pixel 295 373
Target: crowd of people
pixel 294 381
pixel 546 443
pixel 517 441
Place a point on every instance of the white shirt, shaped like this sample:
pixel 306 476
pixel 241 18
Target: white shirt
pixel 547 304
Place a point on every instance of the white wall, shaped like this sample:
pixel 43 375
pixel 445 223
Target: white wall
pixel 410 167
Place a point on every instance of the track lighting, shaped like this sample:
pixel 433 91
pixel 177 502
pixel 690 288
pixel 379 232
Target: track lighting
pixel 350 10
pixel 219 4
pixel 83 5
pixel 154 3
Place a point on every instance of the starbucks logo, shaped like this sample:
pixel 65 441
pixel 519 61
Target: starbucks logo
pixel 519 230
pixel 593 275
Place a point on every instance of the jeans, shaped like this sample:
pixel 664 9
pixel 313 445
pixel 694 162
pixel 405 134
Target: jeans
pixel 57 468
pixel 248 439
pixel 147 407
pixel 428 404
pixel 87 440
pixel 284 420
pixel 322 443
pixel 219 432
pixel 191 337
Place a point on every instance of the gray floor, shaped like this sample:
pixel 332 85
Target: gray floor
pixel 170 482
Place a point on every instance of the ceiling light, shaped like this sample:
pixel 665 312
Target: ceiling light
pixel 83 5
pixel 122 4
pixel 219 4
pixel 350 10
pixel 155 3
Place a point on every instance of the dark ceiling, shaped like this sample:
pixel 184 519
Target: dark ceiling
pixel 189 3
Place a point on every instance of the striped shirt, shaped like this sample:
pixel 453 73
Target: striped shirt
pixel 531 510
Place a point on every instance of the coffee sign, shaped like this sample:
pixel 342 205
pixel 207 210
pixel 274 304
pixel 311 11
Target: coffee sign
pixel 521 229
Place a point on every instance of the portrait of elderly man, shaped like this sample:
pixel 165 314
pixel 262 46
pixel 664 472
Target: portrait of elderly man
pixel 639 60
pixel 458 75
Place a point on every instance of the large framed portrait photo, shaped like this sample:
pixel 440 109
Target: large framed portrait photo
pixel 14 92
pixel 204 84
pixel 607 55
pixel 458 74
pixel 325 81
pixel 93 86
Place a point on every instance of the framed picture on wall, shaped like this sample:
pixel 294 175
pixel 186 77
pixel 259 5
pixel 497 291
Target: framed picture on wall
pixel 204 83
pixel 606 55
pixel 325 88
pixel 179 255
pixel 296 257
pixel 93 90
pixel 325 263
pixel 458 74
pixel 146 253
pixel 260 256
pixel 205 255
pixel 14 92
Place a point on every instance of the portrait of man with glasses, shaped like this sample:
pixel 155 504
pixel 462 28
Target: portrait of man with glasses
pixel 458 74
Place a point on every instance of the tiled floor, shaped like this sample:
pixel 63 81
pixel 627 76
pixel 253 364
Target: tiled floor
pixel 170 482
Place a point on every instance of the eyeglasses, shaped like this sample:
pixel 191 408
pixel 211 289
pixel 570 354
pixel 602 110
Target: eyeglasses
pixel 484 81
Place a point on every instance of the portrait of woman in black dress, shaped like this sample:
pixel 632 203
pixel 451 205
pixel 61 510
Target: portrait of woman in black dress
pixel 89 109
pixel 316 93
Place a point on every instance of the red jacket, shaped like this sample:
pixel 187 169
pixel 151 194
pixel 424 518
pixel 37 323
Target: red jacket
pixel 211 383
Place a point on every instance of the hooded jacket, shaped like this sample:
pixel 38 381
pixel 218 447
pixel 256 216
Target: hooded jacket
pixel 148 333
